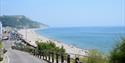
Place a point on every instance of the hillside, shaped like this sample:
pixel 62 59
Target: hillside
pixel 20 21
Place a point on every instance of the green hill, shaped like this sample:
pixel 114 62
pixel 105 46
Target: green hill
pixel 19 21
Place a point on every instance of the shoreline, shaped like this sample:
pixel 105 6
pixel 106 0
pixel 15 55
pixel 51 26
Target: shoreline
pixel 32 36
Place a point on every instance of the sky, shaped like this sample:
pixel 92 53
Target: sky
pixel 68 13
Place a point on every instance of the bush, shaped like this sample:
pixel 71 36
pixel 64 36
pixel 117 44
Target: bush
pixel 1 46
pixel 1 51
pixel 95 56
pixel 1 58
pixel 50 47
pixel 118 53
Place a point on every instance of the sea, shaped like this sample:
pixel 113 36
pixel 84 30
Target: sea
pixel 103 39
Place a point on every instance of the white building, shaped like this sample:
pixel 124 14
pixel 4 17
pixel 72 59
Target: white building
pixel 0 30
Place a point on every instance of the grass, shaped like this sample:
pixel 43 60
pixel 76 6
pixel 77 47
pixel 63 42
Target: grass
pixel 1 46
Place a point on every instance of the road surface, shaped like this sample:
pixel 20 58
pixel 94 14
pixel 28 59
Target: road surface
pixel 15 56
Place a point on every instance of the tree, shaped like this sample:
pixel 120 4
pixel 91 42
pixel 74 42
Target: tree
pixel 118 53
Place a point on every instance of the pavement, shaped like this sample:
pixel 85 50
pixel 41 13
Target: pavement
pixel 16 56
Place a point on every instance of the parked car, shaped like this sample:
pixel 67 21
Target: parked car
pixel 5 38
pixel 13 47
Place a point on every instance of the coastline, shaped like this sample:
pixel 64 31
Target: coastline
pixel 31 36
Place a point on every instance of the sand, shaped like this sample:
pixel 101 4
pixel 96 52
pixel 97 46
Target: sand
pixel 31 36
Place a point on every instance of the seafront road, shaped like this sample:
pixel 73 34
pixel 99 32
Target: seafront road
pixel 15 56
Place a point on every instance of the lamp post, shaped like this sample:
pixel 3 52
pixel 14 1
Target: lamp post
pixel 0 31
pixel 25 33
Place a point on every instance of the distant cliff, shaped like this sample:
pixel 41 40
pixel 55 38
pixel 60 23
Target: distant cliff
pixel 19 21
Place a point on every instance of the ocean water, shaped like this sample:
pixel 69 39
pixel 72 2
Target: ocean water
pixel 101 38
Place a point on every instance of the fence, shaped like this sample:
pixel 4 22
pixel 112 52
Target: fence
pixel 52 57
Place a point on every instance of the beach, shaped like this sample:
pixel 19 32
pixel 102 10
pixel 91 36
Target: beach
pixel 31 36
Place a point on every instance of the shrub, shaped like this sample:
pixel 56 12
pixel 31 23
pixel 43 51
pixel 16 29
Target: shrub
pixel 1 46
pixel 1 51
pixel 49 46
pixel 95 56
pixel 118 53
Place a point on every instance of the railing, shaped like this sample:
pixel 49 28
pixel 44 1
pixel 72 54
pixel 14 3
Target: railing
pixel 52 57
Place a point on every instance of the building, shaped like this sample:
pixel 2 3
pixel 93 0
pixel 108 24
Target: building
pixel 0 30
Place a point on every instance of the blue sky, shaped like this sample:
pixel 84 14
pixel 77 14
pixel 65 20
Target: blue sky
pixel 68 13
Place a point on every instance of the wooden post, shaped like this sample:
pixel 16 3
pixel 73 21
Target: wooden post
pixel 52 57
pixel 57 58
pixel 34 52
pixel 43 55
pixel 46 56
pixel 68 59
pixel 62 58
pixel 37 54
pixel 77 60
pixel 40 55
pixel 49 57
